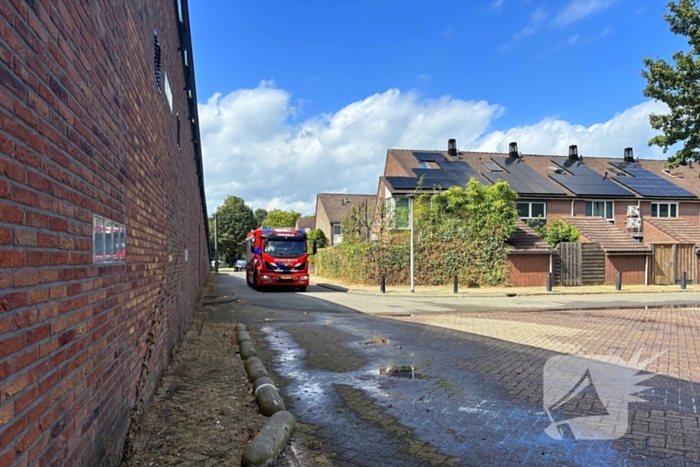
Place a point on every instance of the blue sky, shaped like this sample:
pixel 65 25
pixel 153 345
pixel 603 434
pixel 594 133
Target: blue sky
pixel 293 88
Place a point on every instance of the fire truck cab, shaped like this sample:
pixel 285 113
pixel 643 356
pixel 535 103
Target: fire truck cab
pixel 278 258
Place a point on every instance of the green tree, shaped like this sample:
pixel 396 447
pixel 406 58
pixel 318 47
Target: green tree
pixel 319 236
pixel 280 218
pixel 477 211
pixel 678 87
pixel 260 215
pixel 236 219
pixel 557 231
pixel 357 226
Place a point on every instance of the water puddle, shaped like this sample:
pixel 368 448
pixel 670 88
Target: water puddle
pixel 407 372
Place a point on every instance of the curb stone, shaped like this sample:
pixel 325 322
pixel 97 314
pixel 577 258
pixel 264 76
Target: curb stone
pixel 243 336
pixel 247 350
pixel 270 441
pixel 273 437
pixel 254 368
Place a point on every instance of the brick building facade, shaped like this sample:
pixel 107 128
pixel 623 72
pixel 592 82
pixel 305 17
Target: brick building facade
pixel 103 239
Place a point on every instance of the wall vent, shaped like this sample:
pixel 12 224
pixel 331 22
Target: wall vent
pixel 157 69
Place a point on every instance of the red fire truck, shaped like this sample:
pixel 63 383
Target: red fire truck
pixel 277 258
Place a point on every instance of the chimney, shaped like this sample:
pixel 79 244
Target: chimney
pixel 573 153
pixel 513 150
pixel 629 155
pixel 452 147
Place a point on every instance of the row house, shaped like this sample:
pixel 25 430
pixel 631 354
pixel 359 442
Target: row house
pixel 629 194
pixel 331 208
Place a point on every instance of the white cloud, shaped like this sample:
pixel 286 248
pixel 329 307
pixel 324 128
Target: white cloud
pixel 255 145
pixel 579 9
pixel 537 17
pixel 573 39
pixel 252 150
pixel 497 3
pixel 607 139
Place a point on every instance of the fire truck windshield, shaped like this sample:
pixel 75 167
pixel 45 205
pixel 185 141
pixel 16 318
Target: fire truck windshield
pixel 285 248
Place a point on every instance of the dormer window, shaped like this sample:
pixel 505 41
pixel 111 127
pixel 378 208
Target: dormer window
pixel 424 165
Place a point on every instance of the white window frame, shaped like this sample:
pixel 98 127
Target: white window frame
pixel 608 216
pixel 529 209
pixel 340 229
pixel 669 203
pixel 111 255
pixel 424 165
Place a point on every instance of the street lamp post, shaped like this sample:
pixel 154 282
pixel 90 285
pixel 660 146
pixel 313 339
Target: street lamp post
pixel 410 215
pixel 216 243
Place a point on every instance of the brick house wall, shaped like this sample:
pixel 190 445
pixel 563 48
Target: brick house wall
pixel 653 235
pixel 392 168
pixel 632 268
pixel 528 270
pixel 558 208
pixel 84 131
pixel 323 223
pixel 690 211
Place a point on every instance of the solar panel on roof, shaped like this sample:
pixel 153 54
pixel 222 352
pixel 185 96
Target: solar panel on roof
pixel 586 181
pixel 523 176
pixel 429 156
pixel 450 173
pixel 647 183
pixel 493 167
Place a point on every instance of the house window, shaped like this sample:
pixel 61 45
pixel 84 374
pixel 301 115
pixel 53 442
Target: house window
pixel 108 241
pixel 401 213
pixel 534 213
pixel 664 209
pixel 336 229
pixel 602 209
pixel 424 165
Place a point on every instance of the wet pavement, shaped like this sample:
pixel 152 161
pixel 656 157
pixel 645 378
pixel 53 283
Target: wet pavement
pixel 475 394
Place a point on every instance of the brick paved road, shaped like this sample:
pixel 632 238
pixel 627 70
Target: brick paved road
pixel 478 396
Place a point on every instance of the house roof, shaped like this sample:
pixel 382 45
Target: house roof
pixel 686 177
pixel 610 238
pixel 526 241
pixel 680 229
pixel 306 223
pixel 339 205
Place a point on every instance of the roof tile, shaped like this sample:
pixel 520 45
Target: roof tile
pixel 680 229
pixel 610 238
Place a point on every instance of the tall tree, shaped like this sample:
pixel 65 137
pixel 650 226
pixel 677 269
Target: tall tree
pixel 260 215
pixel 280 218
pixel 678 87
pixel 236 219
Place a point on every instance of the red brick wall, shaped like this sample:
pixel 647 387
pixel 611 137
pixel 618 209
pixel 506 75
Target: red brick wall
pixel 653 235
pixel 558 208
pixel 393 169
pixel 528 270
pixel 690 211
pixel 631 267
pixel 84 131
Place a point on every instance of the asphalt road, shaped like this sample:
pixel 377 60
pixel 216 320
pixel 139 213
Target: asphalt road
pixel 463 399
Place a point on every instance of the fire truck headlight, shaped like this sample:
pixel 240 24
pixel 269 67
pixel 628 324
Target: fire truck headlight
pixel 265 277
pixel 304 278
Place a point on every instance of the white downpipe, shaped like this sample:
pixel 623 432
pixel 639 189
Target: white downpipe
pixel 572 208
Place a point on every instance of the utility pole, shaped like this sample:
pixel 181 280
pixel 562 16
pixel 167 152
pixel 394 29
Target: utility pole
pixel 216 243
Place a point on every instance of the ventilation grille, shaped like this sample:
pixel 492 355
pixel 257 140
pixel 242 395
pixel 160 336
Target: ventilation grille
pixel 177 131
pixel 157 62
